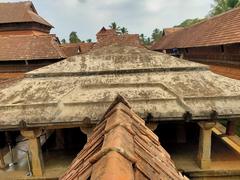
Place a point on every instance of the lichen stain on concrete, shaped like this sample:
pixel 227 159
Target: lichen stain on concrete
pixel 151 81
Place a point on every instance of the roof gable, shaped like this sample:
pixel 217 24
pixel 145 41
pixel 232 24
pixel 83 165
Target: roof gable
pixel 20 12
pixel 124 148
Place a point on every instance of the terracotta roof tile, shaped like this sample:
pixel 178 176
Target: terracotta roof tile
pixel 168 31
pixel 219 30
pixel 127 150
pixel 29 47
pixel 106 31
pixel 71 49
pixel 19 12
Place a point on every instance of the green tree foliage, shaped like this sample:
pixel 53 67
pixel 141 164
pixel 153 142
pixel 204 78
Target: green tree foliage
pixel 118 29
pixel 156 35
pixel 114 26
pixel 145 40
pixel 63 41
pixel 73 37
pixel 189 22
pixel 123 30
pixel 221 6
pixel 89 40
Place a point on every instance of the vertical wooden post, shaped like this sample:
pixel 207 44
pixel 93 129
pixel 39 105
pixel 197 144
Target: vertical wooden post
pixel 2 162
pixel 231 128
pixel 34 145
pixel 205 142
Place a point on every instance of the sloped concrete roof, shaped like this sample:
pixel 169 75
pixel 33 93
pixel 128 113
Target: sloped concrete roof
pixel 83 86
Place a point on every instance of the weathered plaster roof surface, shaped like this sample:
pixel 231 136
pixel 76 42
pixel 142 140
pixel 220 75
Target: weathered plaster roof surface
pixel 83 86
pixel 122 147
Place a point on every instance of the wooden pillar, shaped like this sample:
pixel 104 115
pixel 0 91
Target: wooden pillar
pixel 35 150
pixel 2 162
pixel 205 142
pixel 181 133
pixel 231 128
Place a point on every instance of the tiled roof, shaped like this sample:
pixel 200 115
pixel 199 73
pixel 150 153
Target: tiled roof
pixel 29 47
pixel 219 30
pixel 122 147
pixel 232 72
pixel 167 31
pixel 106 31
pixel 71 49
pixel 123 39
pixel 19 12
pixel 107 37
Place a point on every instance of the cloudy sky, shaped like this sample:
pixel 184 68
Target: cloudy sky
pixel 86 17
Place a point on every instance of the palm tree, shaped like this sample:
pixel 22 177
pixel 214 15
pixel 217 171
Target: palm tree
pixel 221 6
pixel 114 26
pixel 124 30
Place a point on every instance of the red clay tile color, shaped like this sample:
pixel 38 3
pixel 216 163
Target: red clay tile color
pixel 121 147
pixel 218 30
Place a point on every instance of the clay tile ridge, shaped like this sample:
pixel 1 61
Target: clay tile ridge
pixel 119 156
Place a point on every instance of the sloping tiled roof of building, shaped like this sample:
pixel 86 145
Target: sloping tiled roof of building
pixel 107 37
pixel 167 31
pixel 106 31
pixel 19 12
pixel 29 47
pixel 83 86
pixel 124 39
pixel 122 147
pixel 218 30
pixel 71 49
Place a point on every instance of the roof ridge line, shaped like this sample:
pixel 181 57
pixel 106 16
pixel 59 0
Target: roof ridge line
pixel 109 72
pixel 118 99
pixel 126 154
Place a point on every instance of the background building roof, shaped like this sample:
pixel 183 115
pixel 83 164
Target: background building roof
pixel 219 30
pixel 20 12
pixel 71 49
pixel 167 31
pixel 122 147
pixel 84 86
pixel 29 47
